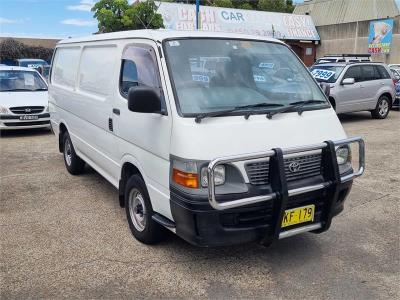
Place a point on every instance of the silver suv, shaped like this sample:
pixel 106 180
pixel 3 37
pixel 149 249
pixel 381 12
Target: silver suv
pixel 358 86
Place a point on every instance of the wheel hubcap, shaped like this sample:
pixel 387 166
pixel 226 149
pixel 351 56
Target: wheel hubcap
pixel 383 107
pixel 137 209
pixel 68 152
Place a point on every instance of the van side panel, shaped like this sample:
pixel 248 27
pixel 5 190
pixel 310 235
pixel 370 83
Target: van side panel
pixel 85 90
pixel 83 95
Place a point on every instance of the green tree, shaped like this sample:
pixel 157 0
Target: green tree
pixel 118 15
pixel 13 49
pixel 222 3
pixel 272 5
pixel 143 15
pixel 289 6
pixel 245 6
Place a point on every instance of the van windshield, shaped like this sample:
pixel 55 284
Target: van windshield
pixel 210 75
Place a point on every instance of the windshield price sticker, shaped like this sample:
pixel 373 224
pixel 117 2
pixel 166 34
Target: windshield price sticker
pixel 174 43
pixel 266 65
pixel 29 79
pixel 34 66
pixel 202 78
pixel 259 78
pixel 322 74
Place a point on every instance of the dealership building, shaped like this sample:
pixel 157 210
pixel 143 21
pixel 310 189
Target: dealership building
pixel 344 26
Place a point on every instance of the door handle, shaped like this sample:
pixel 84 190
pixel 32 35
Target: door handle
pixel 116 111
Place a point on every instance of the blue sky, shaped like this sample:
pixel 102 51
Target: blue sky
pixel 47 18
pixel 50 18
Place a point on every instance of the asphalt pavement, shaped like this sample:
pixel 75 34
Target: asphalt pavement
pixel 65 236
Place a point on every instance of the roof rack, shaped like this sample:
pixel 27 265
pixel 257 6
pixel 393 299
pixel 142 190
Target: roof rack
pixel 365 62
pixel 348 55
pixel 349 62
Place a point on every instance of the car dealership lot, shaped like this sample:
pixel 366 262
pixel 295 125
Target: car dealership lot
pixel 65 236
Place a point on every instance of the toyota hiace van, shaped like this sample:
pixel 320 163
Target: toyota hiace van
pixel 220 138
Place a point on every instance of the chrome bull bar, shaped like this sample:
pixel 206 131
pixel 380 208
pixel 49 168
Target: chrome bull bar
pixel 271 153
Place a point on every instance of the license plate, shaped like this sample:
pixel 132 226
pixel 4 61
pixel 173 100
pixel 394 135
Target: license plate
pixel 29 117
pixel 298 215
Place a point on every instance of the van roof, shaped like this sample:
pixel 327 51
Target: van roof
pixel 162 34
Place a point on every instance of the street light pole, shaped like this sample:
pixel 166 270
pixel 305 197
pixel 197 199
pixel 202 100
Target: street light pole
pixel 197 13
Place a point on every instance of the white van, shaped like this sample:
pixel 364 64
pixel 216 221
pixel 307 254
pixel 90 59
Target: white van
pixel 221 138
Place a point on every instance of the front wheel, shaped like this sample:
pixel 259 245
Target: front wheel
pixel 382 108
pixel 139 212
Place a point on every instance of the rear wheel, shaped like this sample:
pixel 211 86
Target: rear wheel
pixel 382 108
pixel 74 164
pixel 139 212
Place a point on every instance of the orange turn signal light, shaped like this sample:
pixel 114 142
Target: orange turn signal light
pixel 189 180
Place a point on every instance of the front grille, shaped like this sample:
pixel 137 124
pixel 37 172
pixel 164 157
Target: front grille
pixel 27 110
pixel 258 172
pixel 309 166
pixel 32 123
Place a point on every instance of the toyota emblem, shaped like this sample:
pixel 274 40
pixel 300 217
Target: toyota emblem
pixel 294 167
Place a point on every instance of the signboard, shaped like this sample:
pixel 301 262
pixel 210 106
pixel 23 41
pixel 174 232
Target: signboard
pixel 380 36
pixel 278 25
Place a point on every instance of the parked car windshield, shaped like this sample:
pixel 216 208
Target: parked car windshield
pixel 215 74
pixel 13 80
pixel 326 73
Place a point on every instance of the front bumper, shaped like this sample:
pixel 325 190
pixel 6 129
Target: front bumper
pixel 218 221
pixel 201 225
pixel 11 122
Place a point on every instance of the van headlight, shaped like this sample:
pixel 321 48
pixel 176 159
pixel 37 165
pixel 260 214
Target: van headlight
pixel 187 173
pixel 3 110
pixel 343 157
pixel 219 176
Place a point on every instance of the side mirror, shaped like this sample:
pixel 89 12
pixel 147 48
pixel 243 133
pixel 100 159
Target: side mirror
pixel 143 99
pixel 326 88
pixel 347 81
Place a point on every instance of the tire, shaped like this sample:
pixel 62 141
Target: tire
pixel 382 108
pixel 74 164
pixel 139 212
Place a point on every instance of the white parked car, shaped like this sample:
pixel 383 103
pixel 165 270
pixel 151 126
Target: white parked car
pixel 23 99
pixel 245 148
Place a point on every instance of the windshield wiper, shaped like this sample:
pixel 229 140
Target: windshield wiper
pixel 41 89
pixel 298 104
pixel 219 113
